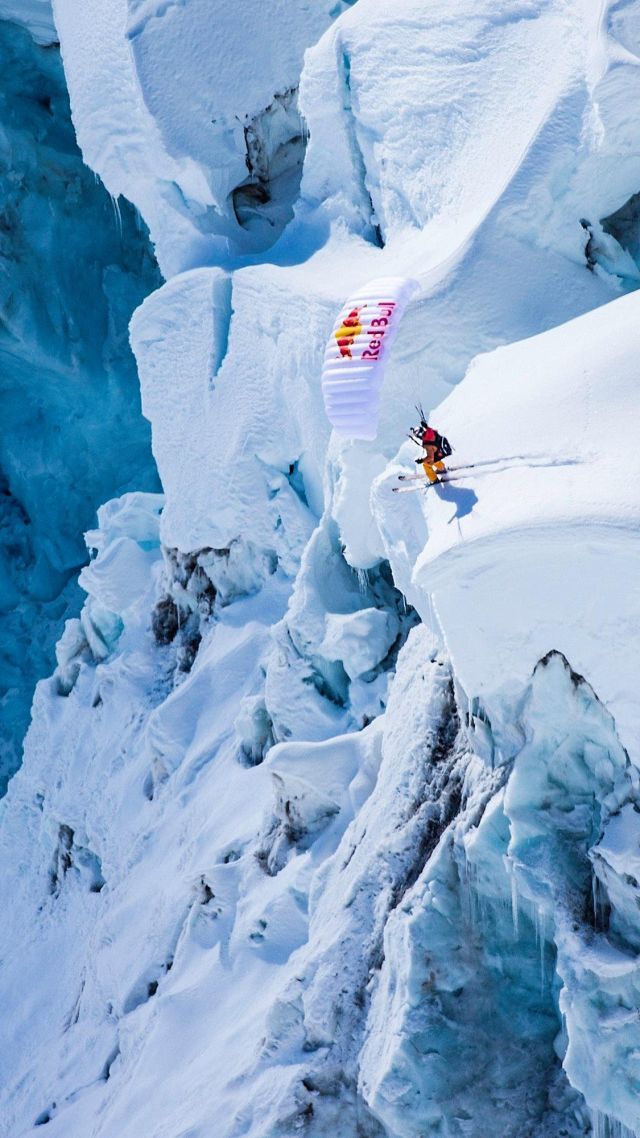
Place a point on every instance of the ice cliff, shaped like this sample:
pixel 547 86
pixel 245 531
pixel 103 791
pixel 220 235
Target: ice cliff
pixel 328 820
pixel 72 431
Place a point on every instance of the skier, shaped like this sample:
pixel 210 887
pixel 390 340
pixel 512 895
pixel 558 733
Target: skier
pixel 436 448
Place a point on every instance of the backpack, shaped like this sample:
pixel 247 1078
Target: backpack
pixel 433 438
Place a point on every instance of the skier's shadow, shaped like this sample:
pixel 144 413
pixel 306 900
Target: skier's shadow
pixel 463 499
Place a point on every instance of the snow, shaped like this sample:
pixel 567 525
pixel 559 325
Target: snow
pixel 361 639
pixel 182 330
pixel 466 93
pixel 185 122
pixel 551 527
pixel 327 813
pixel 35 15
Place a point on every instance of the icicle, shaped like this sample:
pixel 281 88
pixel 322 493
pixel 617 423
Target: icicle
pixel 115 202
pixel 594 900
pixel 604 1126
pixel 363 580
pixel 473 902
pixel 543 930
pixel 467 894
pixel 431 626
pixel 515 914
pixel 484 910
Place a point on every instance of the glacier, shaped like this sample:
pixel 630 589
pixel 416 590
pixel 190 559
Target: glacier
pixel 328 816
pixel 72 431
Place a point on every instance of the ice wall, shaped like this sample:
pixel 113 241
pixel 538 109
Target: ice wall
pixel 35 15
pixel 73 266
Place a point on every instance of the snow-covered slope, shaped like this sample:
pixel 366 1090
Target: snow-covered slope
pixel 537 546
pixel 327 815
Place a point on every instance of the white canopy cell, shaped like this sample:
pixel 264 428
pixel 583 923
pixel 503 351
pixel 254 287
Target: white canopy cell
pixel 356 354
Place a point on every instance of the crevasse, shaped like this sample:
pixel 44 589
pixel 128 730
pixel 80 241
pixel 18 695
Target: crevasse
pixel 73 266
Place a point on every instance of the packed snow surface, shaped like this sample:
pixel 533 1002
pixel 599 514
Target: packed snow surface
pixel 328 813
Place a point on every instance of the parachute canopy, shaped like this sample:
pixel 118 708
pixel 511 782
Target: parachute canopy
pixel 354 361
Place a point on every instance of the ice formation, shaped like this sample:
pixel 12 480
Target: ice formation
pixel 72 432
pixel 328 815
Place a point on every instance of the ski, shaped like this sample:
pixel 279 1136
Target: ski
pixel 474 465
pixel 424 483
pixel 449 469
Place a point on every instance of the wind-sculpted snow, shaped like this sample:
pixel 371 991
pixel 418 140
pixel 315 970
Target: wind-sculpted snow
pixel 181 134
pixel 72 269
pixel 36 15
pixel 258 476
pixel 327 814
pixel 441 135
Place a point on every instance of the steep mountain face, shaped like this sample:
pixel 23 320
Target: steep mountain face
pixel 328 813
pixel 73 267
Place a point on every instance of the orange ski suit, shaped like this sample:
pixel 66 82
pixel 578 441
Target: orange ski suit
pixel 432 466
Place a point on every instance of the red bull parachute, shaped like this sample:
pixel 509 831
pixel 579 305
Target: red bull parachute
pixel 354 361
